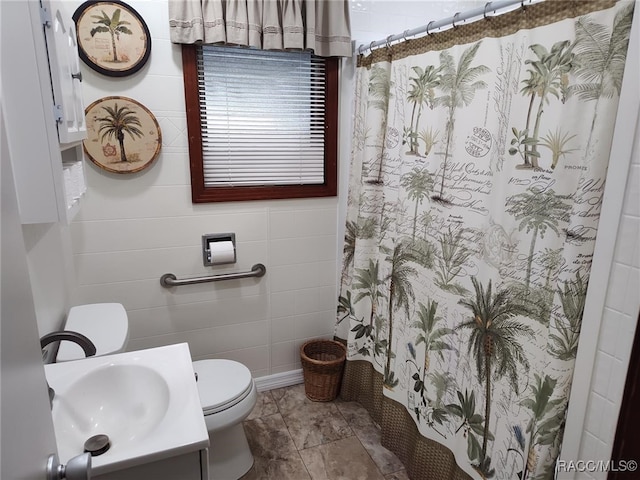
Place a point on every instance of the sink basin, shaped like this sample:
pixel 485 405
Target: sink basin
pixel 145 401
pixel 135 402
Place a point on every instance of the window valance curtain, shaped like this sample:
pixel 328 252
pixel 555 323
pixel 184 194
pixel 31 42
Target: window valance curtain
pixel 318 25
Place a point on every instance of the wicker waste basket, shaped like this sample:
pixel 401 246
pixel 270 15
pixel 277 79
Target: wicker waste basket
pixel 322 365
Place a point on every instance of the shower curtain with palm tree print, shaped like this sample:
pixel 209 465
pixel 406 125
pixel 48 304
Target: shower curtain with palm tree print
pixel 478 168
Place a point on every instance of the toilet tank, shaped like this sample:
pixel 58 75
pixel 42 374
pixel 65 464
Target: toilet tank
pixel 105 324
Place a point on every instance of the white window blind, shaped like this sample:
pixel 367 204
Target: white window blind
pixel 262 116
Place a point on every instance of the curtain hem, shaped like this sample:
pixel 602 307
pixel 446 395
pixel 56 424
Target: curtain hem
pixel 424 459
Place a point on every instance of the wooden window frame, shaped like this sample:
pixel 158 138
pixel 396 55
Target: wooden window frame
pixel 202 194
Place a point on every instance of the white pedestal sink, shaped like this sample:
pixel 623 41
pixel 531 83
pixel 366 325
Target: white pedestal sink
pixel 146 401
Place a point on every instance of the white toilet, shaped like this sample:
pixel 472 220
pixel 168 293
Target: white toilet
pixel 227 391
pixel 227 395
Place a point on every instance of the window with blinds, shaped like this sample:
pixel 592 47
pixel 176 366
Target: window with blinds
pixel 262 124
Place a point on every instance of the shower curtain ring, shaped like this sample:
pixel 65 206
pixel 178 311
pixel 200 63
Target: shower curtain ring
pixel 404 35
pixel 429 27
pixel 455 17
pixel 486 7
pixel 389 41
pixel 524 9
pixel 371 46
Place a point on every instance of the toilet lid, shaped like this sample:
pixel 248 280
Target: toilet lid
pixel 105 324
pixel 221 383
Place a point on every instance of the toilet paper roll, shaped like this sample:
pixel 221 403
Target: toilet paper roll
pixel 222 252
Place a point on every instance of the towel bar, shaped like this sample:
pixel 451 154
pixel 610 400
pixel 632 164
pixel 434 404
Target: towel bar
pixel 169 280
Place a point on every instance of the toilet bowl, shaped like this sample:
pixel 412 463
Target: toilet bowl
pixel 228 394
pixel 227 390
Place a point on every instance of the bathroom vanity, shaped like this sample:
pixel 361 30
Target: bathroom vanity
pixel 189 466
pixel 146 402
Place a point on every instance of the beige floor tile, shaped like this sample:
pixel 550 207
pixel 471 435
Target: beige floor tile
pixel 316 423
pixel 310 423
pixel 294 438
pixel 268 437
pixel 274 453
pixel 265 406
pixel 286 467
pixel 354 413
pixel 399 475
pixel 369 436
pixel 290 398
pixel 340 460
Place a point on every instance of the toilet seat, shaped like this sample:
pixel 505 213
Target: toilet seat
pixel 221 384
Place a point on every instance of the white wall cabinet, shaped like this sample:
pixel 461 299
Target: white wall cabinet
pixel 66 77
pixel 40 73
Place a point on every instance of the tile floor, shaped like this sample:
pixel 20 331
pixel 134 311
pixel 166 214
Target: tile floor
pixel 293 438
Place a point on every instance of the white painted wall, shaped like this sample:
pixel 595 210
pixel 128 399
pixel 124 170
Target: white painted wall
pixel 50 263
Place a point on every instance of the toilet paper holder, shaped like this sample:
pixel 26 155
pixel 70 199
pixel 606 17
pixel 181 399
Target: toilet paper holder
pixel 218 249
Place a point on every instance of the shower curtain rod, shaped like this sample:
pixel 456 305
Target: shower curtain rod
pixel 480 12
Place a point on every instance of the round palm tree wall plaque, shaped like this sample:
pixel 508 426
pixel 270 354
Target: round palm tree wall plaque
pixel 113 39
pixel 123 136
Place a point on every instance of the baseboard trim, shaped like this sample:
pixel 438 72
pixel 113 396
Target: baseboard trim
pixel 279 380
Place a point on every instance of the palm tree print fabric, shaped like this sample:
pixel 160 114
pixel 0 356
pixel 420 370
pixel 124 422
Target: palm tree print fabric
pixel 476 183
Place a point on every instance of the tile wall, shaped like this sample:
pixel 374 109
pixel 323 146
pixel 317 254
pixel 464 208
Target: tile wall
pixel 620 317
